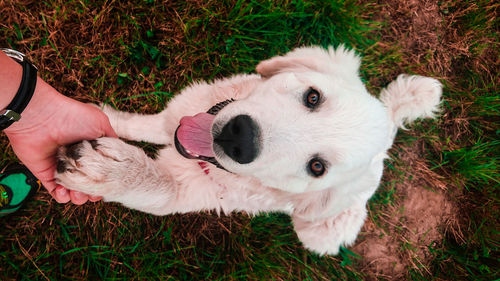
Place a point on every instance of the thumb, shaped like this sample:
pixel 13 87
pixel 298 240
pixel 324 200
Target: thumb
pixel 107 129
pixel 109 132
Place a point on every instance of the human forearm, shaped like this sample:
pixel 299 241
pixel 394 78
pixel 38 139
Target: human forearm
pixel 43 106
pixel 10 79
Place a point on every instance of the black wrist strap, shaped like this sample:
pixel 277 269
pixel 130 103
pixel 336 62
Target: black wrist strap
pixel 23 96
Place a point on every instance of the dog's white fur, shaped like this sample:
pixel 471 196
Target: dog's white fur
pixel 350 129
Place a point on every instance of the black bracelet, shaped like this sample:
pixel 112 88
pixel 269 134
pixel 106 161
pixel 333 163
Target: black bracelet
pixel 23 96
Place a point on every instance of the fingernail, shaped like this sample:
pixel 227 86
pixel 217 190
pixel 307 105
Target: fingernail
pixel 78 198
pixel 61 195
pixel 95 198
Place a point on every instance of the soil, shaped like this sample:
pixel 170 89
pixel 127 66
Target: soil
pixel 398 240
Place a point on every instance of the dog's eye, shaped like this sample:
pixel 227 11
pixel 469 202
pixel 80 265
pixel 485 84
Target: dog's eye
pixel 316 167
pixel 312 98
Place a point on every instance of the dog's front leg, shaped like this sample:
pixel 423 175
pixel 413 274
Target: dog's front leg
pixel 116 171
pixel 153 128
pixel 326 235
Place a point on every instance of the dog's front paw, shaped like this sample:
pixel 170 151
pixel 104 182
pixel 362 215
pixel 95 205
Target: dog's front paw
pixel 96 167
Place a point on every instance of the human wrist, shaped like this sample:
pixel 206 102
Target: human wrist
pixel 42 107
pixel 12 112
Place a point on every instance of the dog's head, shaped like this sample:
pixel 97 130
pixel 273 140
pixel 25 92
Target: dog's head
pixel 310 124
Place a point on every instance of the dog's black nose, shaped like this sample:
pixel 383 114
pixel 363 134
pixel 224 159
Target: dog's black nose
pixel 239 139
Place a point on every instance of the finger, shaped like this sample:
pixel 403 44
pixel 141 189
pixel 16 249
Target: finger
pixel 49 185
pixel 61 194
pixel 94 198
pixel 47 179
pixel 78 198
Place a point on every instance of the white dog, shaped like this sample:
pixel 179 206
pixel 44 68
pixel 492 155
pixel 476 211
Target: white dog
pixel 303 137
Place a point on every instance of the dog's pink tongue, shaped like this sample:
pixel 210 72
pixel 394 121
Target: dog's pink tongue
pixel 194 133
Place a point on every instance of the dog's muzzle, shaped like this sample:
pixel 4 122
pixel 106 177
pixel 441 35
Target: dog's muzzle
pixel 191 155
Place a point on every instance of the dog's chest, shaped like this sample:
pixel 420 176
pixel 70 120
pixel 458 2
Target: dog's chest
pixel 238 193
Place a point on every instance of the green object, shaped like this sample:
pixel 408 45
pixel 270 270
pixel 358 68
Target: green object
pixel 17 184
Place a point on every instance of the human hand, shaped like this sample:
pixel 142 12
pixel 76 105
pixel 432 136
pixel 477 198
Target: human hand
pixel 51 120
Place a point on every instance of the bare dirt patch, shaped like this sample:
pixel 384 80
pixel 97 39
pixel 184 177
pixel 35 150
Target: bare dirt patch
pixel 399 239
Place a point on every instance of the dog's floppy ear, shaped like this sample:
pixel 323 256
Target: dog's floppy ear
pixel 312 58
pixel 286 63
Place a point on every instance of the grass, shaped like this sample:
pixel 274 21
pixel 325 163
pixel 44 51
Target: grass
pixel 137 54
